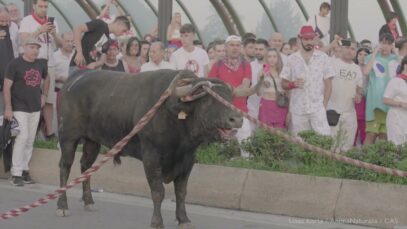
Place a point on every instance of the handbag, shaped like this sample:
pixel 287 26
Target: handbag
pixel 282 99
pixel 333 117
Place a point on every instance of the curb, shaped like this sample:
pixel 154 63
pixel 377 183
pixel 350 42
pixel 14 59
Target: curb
pixel 322 198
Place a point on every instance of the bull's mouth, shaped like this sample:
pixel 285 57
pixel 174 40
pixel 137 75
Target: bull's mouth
pixel 227 133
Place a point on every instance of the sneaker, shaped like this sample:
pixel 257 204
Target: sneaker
pixel 27 178
pixel 17 181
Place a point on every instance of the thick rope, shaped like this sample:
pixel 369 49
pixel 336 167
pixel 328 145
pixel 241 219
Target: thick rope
pixel 88 173
pixel 304 145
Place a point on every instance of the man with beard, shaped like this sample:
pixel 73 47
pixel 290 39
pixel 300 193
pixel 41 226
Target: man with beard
pixel 253 101
pixel 308 74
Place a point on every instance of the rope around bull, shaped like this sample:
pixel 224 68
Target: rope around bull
pixel 88 173
pixel 301 143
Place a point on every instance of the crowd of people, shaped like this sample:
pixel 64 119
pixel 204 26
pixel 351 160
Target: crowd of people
pixel 350 90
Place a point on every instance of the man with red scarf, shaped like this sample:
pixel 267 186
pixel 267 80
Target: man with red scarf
pixel 37 25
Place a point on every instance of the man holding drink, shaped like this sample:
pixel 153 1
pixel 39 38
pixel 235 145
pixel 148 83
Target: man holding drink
pixel 308 75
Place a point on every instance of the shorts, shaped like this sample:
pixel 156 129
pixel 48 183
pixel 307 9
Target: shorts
pixel 51 96
pixel 378 125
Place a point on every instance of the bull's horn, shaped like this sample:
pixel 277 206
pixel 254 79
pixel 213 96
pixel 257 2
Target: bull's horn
pixel 183 91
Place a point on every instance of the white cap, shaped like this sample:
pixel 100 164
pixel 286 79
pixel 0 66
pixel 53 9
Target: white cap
pixel 233 38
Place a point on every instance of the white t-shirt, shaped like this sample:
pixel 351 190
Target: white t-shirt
pixel 324 24
pixel 151 66
pixel 30 25
pixel 348 78
pixel 61 66
pixel 310 98
pixel 253 102
pixel 195 61
pixel 14 38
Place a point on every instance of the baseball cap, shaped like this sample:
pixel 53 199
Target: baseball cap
pixel 32 41
pixel 233 38
pixel 307 32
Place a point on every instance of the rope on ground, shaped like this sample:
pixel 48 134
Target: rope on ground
pixel 301 143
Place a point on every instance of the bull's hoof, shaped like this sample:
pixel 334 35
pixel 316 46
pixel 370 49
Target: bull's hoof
pixel 186 226
pixel 62 212
pixel 90 208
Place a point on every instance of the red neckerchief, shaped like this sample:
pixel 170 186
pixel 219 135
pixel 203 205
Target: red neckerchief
pixel 404 77
pixel 39 20
pixel 233 64
pixel 107 17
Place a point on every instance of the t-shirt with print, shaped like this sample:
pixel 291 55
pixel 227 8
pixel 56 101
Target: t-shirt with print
pixel 194 61
pixel 97 36
pixel 26 77
pixel 379 77
pixel 310 98
pixel 348 78
pixel 30 25
pixel 234 79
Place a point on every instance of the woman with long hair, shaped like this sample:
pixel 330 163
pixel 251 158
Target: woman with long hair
pixel 173 30
pixel 132 55
pixel 270 113
pixel 395 96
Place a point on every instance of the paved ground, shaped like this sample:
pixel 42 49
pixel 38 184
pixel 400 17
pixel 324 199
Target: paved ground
pixel 125 212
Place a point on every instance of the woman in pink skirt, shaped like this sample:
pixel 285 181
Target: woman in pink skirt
pixel 270 113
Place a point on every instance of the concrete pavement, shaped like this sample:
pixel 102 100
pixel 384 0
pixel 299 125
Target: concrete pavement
pixel 125 212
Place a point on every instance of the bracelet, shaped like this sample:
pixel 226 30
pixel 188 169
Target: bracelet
pixel 291 85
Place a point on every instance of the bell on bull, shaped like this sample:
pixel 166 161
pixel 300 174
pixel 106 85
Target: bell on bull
pixel 101 107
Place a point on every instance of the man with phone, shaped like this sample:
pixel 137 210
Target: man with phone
pixel 45 29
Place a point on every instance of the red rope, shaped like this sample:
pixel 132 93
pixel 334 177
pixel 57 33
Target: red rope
pixel 88 173
pixel 300 142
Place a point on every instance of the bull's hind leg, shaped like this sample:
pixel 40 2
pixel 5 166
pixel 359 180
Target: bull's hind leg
pixel 90 153
pixel 152 168
pixel 68 148
pixel 180 188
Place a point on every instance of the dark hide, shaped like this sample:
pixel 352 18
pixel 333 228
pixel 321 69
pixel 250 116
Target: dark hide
pixel 101 107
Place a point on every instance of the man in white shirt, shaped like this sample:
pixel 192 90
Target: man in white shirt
pixel 308 74
pixel 253 102
pixel 156 53
pixel 188 56
pixel 277 41
pixel 15 15
pixel 39 26
pixel 347 88
pixel 62 59
pixel 321 22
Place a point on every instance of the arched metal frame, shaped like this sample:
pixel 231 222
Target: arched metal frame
pixel 155 11
pixel 223 14
pixel 191 19
pixel 227 13
pixel 61 13
pixel 401 18
pixel 132 20
pixel 269 15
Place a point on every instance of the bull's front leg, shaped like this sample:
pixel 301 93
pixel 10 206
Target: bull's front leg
pixel 152 169
pixel 180 187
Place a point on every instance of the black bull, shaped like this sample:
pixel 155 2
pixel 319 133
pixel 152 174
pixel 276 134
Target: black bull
pixel 101 107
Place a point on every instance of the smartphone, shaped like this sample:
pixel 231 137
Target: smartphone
pixel 344 42
pixel 51 20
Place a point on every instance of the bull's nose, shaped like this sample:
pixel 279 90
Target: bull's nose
pixel 236 121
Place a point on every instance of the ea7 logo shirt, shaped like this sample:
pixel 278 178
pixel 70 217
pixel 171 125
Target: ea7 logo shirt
pixel 26 77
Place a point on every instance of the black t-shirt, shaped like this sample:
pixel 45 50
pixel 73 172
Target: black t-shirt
pixel 97 35
pixel 26 77
pixel 118 68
